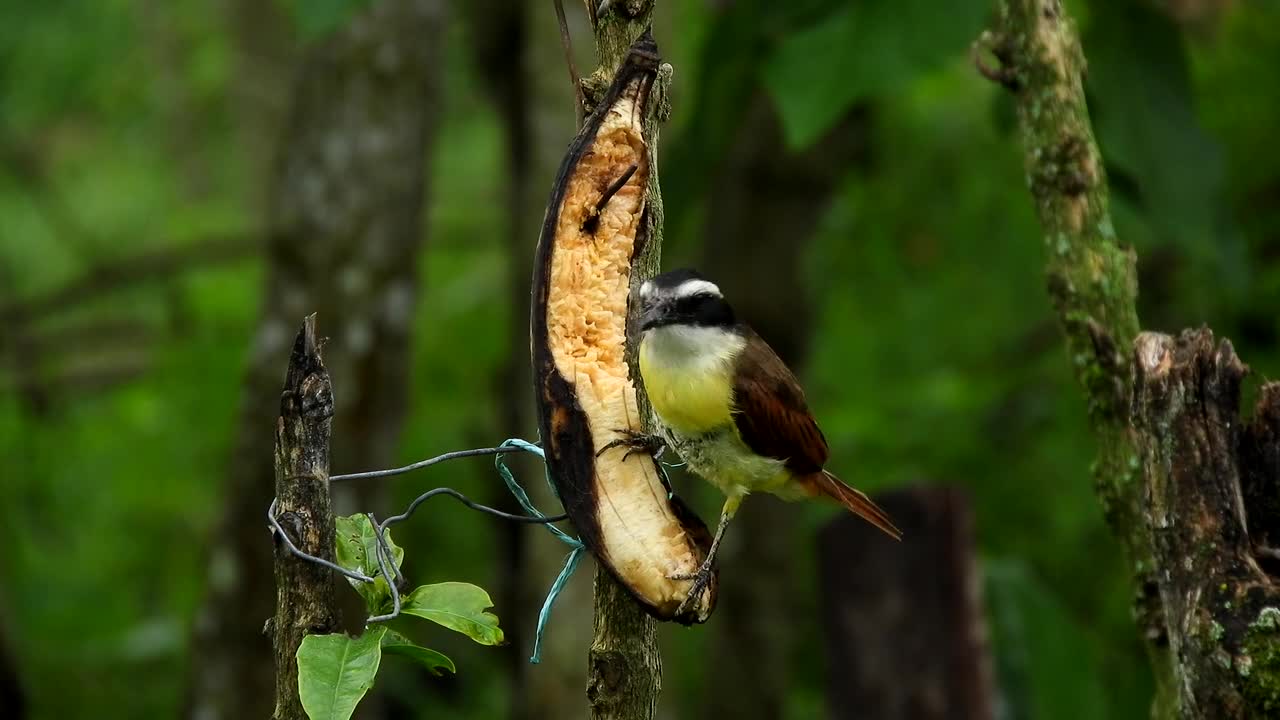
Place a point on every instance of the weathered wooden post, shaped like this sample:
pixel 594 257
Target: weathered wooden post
pixel 306 600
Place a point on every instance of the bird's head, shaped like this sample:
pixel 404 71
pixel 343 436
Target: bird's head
pixel 683 299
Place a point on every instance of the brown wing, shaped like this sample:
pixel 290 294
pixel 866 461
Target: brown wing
pixel 770 410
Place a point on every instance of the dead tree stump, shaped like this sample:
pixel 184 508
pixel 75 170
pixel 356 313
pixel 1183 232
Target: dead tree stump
pixel 1210 504
pixel 306 598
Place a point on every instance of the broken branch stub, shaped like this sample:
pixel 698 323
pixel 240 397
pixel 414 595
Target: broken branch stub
pixel 592 233
pixel 1221 602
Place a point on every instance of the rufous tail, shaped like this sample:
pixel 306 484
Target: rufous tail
pixel 825 484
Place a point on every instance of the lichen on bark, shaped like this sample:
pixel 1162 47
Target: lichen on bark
pixel 1219 602
pixel 1260 662
pixel 1091 276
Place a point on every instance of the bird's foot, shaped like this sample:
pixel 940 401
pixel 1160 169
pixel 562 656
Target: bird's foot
pixel 636 441
pixel 701 579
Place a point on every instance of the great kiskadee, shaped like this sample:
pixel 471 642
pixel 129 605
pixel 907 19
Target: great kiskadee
pixel 729 406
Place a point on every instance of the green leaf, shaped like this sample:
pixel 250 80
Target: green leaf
pixel 335 671
pixel 865 48
pixel 1160 159
pixel 457 606
pixel 356 549
pixel 393 643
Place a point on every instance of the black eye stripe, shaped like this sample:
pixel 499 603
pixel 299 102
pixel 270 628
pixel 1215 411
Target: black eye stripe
pixel 690 304
pixel 702 309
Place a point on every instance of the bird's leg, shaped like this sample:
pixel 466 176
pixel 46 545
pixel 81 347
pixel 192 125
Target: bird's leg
pixel 702 577
pixel 636 441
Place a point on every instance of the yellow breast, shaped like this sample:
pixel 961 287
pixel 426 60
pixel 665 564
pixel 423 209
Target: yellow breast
pixel 692 393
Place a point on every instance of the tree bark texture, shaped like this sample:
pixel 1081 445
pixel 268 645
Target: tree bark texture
pixel 624 666
pixel 306 598
pixel 1188 488
pixel 1210 504
pixel 764 208
pixel 907 638
pixel 345 230
pixel 1090 274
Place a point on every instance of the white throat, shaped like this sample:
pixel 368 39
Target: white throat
pixel 691 345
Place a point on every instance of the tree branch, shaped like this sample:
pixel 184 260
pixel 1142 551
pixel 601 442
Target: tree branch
pixel 306 599
pixel 107 277
pixel 624 665
pixel 1091 276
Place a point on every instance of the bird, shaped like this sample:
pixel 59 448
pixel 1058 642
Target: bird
pixel 730 407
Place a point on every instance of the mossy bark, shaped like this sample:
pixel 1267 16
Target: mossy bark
pixel 1091 276
pixel 1221 600
pixel 624 665
pixel 1193 563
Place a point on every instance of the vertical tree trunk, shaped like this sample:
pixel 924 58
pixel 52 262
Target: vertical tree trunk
pixel 345 231
pixel 624 666
pixel 764 208
pixel 1173 456
pixel 1091 274
pixel 306 601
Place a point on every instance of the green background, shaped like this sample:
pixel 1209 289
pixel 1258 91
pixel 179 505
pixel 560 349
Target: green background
pixel 932 353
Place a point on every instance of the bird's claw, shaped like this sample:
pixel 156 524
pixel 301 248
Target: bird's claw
pixel 636 441
pixel 701 579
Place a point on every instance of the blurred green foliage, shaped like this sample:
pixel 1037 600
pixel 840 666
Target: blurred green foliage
pixel 860 50
pixel 934 357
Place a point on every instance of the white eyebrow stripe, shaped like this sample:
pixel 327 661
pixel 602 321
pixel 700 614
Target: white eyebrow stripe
pixel 689 288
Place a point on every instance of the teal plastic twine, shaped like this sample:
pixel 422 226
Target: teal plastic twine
pixel 575 555
pixel 666 479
